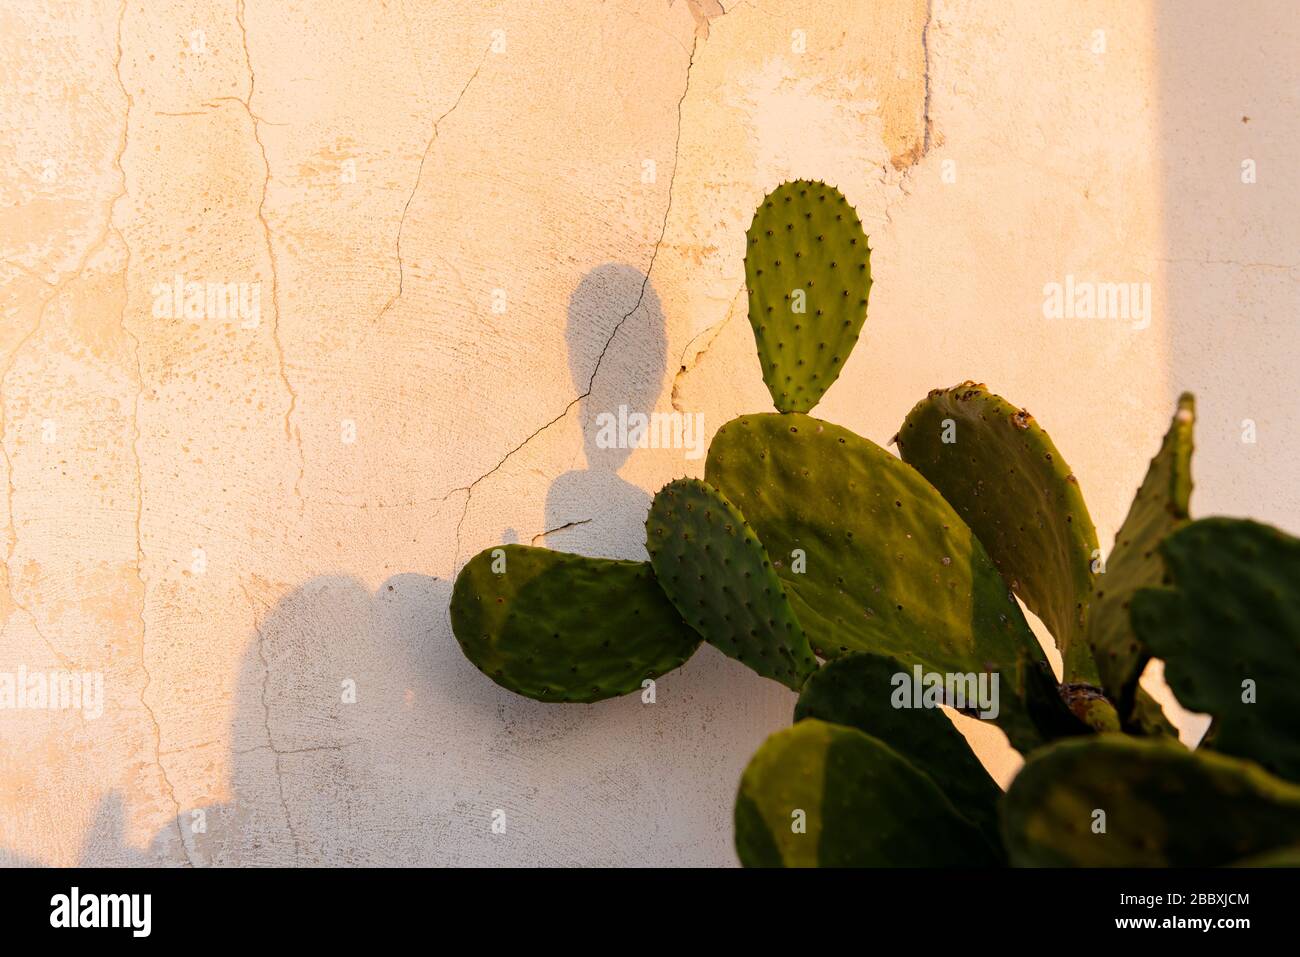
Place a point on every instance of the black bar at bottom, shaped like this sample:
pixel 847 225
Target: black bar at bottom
pixel 336 906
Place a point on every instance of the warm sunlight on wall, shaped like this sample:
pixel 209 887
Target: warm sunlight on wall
pixel 445 237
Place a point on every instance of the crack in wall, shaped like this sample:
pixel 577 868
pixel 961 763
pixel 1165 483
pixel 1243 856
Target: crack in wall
pixel 288 752
pixel 702 11
pixel 419 176
pixel 713 331
pixel 135 443
pixel 294 436
pixel 908 162
pixel 559 528
pixel 925 53
pixel 591 382
pixel 266 724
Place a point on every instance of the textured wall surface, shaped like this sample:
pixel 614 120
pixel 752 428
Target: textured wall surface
pixel 462 230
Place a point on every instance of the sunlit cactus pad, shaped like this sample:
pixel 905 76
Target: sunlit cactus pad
pixel 716 572
pixel 808 270
pixel 1160 506
pixel 871 555
pixel 559 627
pixel 1001 472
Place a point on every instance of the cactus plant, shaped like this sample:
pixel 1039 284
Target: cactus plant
pixel 1229 633
pixel 1227 619
pixel 808 271
pixel 859 691
pixel 718 575
pixel 1005 476
pixel 1160 507
pixel 969 442
pixel 1119 801
pixel 823 795
pixel 806 538
pixel 559 627
pixel 874 559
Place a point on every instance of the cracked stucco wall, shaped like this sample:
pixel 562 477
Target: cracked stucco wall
pixel 471 227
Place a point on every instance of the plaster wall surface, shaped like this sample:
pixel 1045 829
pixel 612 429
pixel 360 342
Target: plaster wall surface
pixel 465 229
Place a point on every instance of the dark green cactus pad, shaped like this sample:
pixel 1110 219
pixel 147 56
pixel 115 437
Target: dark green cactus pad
pixel 1164 806
pixel 717 574
pixel 558 627
pixel 1148 718
pixel 1160 507
pixel 1233 616
pixel 872 557
pixel 1003 475
pixel 808 269
pixel 861 805
pixel 861 690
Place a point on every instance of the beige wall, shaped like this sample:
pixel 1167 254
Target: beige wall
pixel 184 513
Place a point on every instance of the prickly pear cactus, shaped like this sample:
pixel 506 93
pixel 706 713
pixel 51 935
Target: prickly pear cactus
pixel 559 627
pixel 716 572
pixel 808 269
pixel 1003 475
pixel 872 556
pixel 1116 801
pixel 1229 633
pixel 861 691
pixel 1160 507
pixel 824 795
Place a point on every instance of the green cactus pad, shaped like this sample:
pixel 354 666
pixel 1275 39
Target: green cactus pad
pixel 808 269
pixel 717 574
pixel 861 690
pixel 1160 506
pixel 558 627
pixel 862 804
pixel 872 557
pixel 1003 475
pixel 1148 718
pixel 1164 806
pixel 1232 616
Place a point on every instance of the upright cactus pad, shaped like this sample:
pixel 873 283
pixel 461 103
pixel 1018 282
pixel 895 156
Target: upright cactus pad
pixel 808 269
pixel 1229 634
pixel 823 795
pixel 716 572
pixel 872 556
pixel 1003 475
pixel 1160 507
pixel 1115 801
pixel 861 691
pixel 559 627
